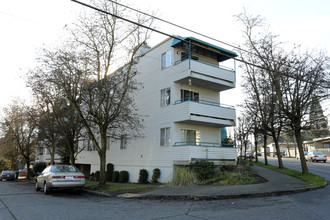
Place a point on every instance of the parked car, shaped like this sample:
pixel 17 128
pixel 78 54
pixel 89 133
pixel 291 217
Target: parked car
pixel 258 154
pixel 60 177
pixel 249 155
pixel 7 175
pixel 22 174
pixel 305 153
pixel 317 156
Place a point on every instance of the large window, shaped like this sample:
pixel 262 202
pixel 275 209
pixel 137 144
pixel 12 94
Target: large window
pixel 165 137
pixel 190 136
pixel 189 95
pixel 165 97
pixel 166 59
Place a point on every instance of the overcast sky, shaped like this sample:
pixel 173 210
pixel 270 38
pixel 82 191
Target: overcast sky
pixel 27 26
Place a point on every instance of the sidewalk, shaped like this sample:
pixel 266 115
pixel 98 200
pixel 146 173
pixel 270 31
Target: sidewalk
pixel 277 184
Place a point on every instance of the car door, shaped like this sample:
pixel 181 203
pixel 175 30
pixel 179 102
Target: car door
pixel 42 177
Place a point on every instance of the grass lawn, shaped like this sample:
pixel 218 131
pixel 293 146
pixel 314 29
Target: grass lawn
pixel 311 178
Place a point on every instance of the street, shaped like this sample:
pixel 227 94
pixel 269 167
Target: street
pixel 18 200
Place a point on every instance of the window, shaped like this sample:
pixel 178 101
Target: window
pixel 165 137
pixel 87 144
pixel 189 95
pixel 165 98
pixel 123 142
pixel 108 143
pixel 166 59
pixel 190 136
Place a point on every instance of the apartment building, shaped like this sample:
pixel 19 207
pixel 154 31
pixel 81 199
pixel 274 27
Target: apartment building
pixel 180 101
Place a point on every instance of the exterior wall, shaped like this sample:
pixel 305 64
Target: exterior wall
pixel 146 152
pixel 42 155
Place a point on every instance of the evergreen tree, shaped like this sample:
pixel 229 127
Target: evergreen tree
pixel 318 121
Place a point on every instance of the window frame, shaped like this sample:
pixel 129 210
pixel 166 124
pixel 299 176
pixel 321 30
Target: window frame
pixel 166 59
pixel 193 96
pixel 123 142
pixel 165 97
pixel 165 137
pixel 184 135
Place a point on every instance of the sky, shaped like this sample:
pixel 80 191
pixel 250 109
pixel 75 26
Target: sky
pixel 28 26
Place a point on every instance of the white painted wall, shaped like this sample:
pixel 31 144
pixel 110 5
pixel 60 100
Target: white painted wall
pixel 146 153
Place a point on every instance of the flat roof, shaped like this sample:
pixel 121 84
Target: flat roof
pixel 227 54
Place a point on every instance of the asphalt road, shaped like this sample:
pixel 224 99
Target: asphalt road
pixel 18 200
pixel 316 201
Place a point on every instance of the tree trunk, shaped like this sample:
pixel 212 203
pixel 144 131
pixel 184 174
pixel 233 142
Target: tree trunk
pixel 304 167
pixel 278 153
pixel 28 174
pixel 265 148
pixel 52 156
pixel 256 146
pixel 102 155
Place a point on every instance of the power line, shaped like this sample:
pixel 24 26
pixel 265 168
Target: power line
pixel 179 26
pixel 160 32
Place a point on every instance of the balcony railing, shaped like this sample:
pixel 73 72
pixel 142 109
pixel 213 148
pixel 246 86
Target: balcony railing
pixel 201 144
pixel 205 102
pixel 197 59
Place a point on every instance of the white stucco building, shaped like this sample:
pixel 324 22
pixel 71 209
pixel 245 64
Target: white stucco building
pixel 181 95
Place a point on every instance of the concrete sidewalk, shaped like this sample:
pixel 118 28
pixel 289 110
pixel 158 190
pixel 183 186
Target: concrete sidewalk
pixel 277 184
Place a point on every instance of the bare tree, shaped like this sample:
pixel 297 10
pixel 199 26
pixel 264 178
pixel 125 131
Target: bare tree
pixel 242 133
pixel 81 70
pixel 296 77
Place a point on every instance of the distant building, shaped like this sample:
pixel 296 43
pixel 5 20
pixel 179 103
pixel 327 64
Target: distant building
pixel 318 144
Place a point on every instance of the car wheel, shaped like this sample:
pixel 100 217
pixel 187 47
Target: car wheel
pixel 37 187
pixel 324 161
pixel 46 190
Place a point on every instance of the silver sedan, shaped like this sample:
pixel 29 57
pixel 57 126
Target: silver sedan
pixel 60 177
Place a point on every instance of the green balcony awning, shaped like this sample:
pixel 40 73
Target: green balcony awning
pixel 224 54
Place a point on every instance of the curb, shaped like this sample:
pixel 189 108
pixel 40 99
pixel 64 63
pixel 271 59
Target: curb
pixel 204 197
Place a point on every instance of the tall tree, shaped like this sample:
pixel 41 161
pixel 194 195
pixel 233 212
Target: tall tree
pixel 8 150
pixel 242 132
pixel 296 77
pixel 19 123
pixel 81 69
pixel 318 121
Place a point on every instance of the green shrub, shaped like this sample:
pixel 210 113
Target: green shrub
pixel 39 167
pixel 31 173
pixel 109 172
pixel 155 175
pixel 143 176
pixel 123 176
pixel 115 176
pixel 184 176
pixel 92 176
pixel 203 169
pixel 97 175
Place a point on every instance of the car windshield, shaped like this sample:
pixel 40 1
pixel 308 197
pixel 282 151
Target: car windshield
pixel 57 169
pixel 7 172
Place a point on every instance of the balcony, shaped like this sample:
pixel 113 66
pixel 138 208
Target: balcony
pixel 215 152
pixel 201 144
pixel 204 74
pixel 204 113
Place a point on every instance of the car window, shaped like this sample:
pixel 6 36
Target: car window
pixel 319 153
pixel 45 170
pixel 56 169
